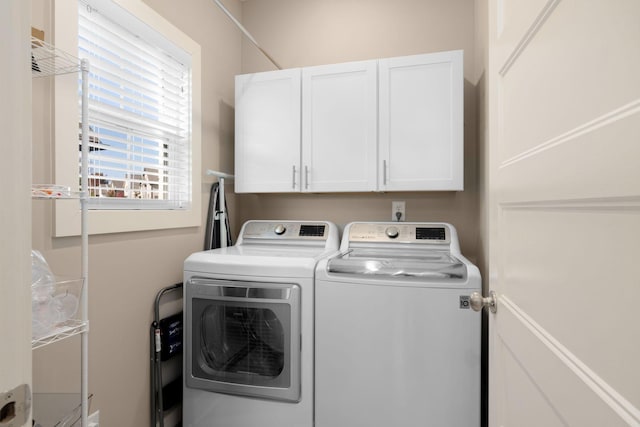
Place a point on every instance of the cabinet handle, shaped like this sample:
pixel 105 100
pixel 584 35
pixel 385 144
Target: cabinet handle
pixel 306 177
pixel 293 178
pixel 384 172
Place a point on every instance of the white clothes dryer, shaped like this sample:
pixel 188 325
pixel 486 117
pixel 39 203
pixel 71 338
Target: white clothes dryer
pixel 396 341
pixel 248 316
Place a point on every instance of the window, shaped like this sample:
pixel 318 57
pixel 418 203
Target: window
pixel 144 104
pixel 139 114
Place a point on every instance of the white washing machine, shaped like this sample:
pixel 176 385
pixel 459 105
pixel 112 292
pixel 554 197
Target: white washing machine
pixel 396 341
pixel 249 326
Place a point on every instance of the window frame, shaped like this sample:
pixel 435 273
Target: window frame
pixel 67 213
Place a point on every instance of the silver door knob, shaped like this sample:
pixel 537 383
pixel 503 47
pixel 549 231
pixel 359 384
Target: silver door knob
pixel 280 229
pixel 478 302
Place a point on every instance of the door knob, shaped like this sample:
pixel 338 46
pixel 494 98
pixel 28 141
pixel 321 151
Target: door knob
pixel 478 302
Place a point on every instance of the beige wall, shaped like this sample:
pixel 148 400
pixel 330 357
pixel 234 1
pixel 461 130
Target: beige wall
pixel 312 32
pixel 127 270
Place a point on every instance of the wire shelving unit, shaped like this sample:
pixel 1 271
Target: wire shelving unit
pixel 47 61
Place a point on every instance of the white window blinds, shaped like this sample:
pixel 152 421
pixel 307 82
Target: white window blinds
pixel 139 112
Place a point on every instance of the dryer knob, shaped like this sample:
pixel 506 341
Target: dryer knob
pixel 392 232
pixel 280 229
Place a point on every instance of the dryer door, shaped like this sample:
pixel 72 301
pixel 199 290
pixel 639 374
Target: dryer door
pixel 243 338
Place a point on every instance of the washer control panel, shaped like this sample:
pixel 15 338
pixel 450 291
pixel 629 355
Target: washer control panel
pixel 419 233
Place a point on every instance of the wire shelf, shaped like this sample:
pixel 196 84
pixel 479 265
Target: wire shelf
pixel 65 330
pixel 76 195
pixel 57 409
pixel 51 191
pixel 65 296
pixel 46 60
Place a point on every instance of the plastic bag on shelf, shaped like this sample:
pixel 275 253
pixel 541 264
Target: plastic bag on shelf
pixel 52 302
pixel 43 283
pixel 42 279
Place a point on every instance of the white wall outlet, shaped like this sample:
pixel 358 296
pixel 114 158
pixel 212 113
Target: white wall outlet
pixel 398 211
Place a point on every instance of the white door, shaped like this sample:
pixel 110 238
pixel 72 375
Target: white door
pixel 421 122
pixel 339 127
pixel 15 214
pixel 267 153
pixel 564 138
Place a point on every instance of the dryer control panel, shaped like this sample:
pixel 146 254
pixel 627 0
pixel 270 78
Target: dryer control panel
pixel 286 230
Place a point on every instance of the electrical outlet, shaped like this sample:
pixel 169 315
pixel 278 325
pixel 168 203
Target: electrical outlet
pixel 398 211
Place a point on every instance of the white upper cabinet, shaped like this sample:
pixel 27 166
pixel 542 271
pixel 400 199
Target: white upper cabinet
pixel 267 127
pixel 383 125
pixel 421 122
pixel 339 127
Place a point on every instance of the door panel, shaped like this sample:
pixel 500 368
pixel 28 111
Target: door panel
pixel 584 164
pixel 564 120
pixel 514 20
pixel 537 402
pixel 537 369
pixel 548 101
pixel 573 284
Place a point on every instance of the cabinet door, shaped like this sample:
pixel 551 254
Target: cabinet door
pixel 339 127
pixel 267 147
pixel 421 122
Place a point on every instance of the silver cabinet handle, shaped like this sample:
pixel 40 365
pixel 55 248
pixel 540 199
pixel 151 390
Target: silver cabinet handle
pixel 293 178
pixel 306 177
pixel 384 172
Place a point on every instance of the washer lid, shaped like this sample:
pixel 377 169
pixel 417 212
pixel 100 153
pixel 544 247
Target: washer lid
pixel 423 265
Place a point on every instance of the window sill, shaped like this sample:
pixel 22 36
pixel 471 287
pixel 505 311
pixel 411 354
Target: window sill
pixel 67 219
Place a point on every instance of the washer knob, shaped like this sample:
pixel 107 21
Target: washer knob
pixel 280 229
pixel 392 232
